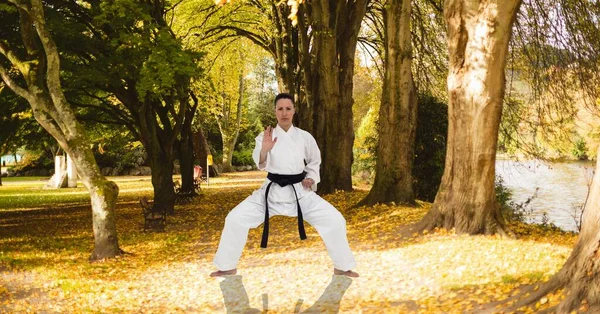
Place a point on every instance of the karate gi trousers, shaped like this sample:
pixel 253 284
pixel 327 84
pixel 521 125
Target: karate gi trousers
pixel 328 221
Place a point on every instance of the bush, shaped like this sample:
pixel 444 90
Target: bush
pixel 579 150
pixel 365 146
pixel 242 158
pixel 430 147
pixel 512 211
pixel 129 155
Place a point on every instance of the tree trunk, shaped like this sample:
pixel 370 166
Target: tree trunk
pixel 231 131
pixel 288 49
pixel 335 27
pixel 580 276
pixel 306 103
pixel 285 50
pixel 397 113
pixel 186 162
pixel 43 91
pixel 201 148
pixel 478 37
pixel 103 195
pixel 162 181
pixel 160 160
pixel 227 153
pixel 186 149
pixel 315 61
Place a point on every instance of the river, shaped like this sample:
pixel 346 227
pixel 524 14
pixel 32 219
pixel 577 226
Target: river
pixel 561 188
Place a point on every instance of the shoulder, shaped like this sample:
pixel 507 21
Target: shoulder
pixel 302 132
pixel 306 135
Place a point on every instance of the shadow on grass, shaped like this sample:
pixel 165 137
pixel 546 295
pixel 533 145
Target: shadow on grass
pixel 236 298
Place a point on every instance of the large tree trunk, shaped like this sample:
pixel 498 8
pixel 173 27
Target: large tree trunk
pixel 103 194
pixel 288 47
pixel 580 276
pixel 315 62
pixel 306 103
pixel 41 73
pixel 478 37
pixel 162 181
pixel 398 112
pixel 160 159
pixel 285 48
pixel 335 25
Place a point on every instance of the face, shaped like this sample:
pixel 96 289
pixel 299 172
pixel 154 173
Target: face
pixel 284 110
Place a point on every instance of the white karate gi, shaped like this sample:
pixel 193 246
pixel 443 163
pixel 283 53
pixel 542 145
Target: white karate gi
pixel 291 150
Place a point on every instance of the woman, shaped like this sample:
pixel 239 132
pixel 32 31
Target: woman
pixel 292 158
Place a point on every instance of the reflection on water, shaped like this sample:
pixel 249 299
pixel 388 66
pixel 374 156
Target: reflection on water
pixel 562 187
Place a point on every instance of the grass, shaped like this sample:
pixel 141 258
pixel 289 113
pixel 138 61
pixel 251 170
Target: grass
pixel 46 238
pixel 29 192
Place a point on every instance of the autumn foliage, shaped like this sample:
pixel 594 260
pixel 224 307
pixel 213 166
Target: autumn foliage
pixel 44 250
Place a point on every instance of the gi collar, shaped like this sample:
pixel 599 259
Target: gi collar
pixel 280 131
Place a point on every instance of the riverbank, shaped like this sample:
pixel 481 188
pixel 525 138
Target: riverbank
pixel 43 260
pixel 554 192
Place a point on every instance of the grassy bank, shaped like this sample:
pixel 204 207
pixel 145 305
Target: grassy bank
pixel 46 238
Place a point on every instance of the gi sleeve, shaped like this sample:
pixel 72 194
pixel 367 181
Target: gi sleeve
pixel 256 152
pixel 313 160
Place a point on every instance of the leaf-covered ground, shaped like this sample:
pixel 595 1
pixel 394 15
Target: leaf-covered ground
pixel 46 238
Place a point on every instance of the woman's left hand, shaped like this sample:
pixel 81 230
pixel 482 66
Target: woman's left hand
pixel 307 183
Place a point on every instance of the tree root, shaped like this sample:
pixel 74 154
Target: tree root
pixel 94 257
pixel 554 284
pixel 495 225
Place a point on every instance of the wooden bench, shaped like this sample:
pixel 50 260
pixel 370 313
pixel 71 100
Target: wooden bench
pixel 199 177
pixel 182 197
pixel 155 218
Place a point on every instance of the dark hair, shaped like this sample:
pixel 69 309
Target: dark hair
pixel 284 96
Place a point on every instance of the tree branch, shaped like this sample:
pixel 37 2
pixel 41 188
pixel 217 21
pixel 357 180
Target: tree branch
pixel 11 56
pixel 255 38
pixel 14 86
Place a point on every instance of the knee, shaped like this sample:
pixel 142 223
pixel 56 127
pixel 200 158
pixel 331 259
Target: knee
pixel 241 217
pixel 337 221
pixel 234 218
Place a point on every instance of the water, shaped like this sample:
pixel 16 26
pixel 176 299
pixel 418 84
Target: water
pixel 562 188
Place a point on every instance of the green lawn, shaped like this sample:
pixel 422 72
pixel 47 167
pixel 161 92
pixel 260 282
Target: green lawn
pixel 29 192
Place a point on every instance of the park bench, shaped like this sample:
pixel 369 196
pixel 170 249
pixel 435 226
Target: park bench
pixel 182 197
pixel 155 217
pixel 199 177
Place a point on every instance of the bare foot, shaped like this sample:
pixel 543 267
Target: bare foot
pixel 221 273
pixel 348 273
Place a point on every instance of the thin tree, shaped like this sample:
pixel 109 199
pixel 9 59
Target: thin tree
pixel 398 111
pixel 38 64
pixel 145 86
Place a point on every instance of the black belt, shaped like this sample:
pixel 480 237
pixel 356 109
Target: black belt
pixel 282 180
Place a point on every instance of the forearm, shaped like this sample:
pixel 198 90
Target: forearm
pixel 263 157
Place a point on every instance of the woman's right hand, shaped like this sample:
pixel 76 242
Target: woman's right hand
pixel 268 142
